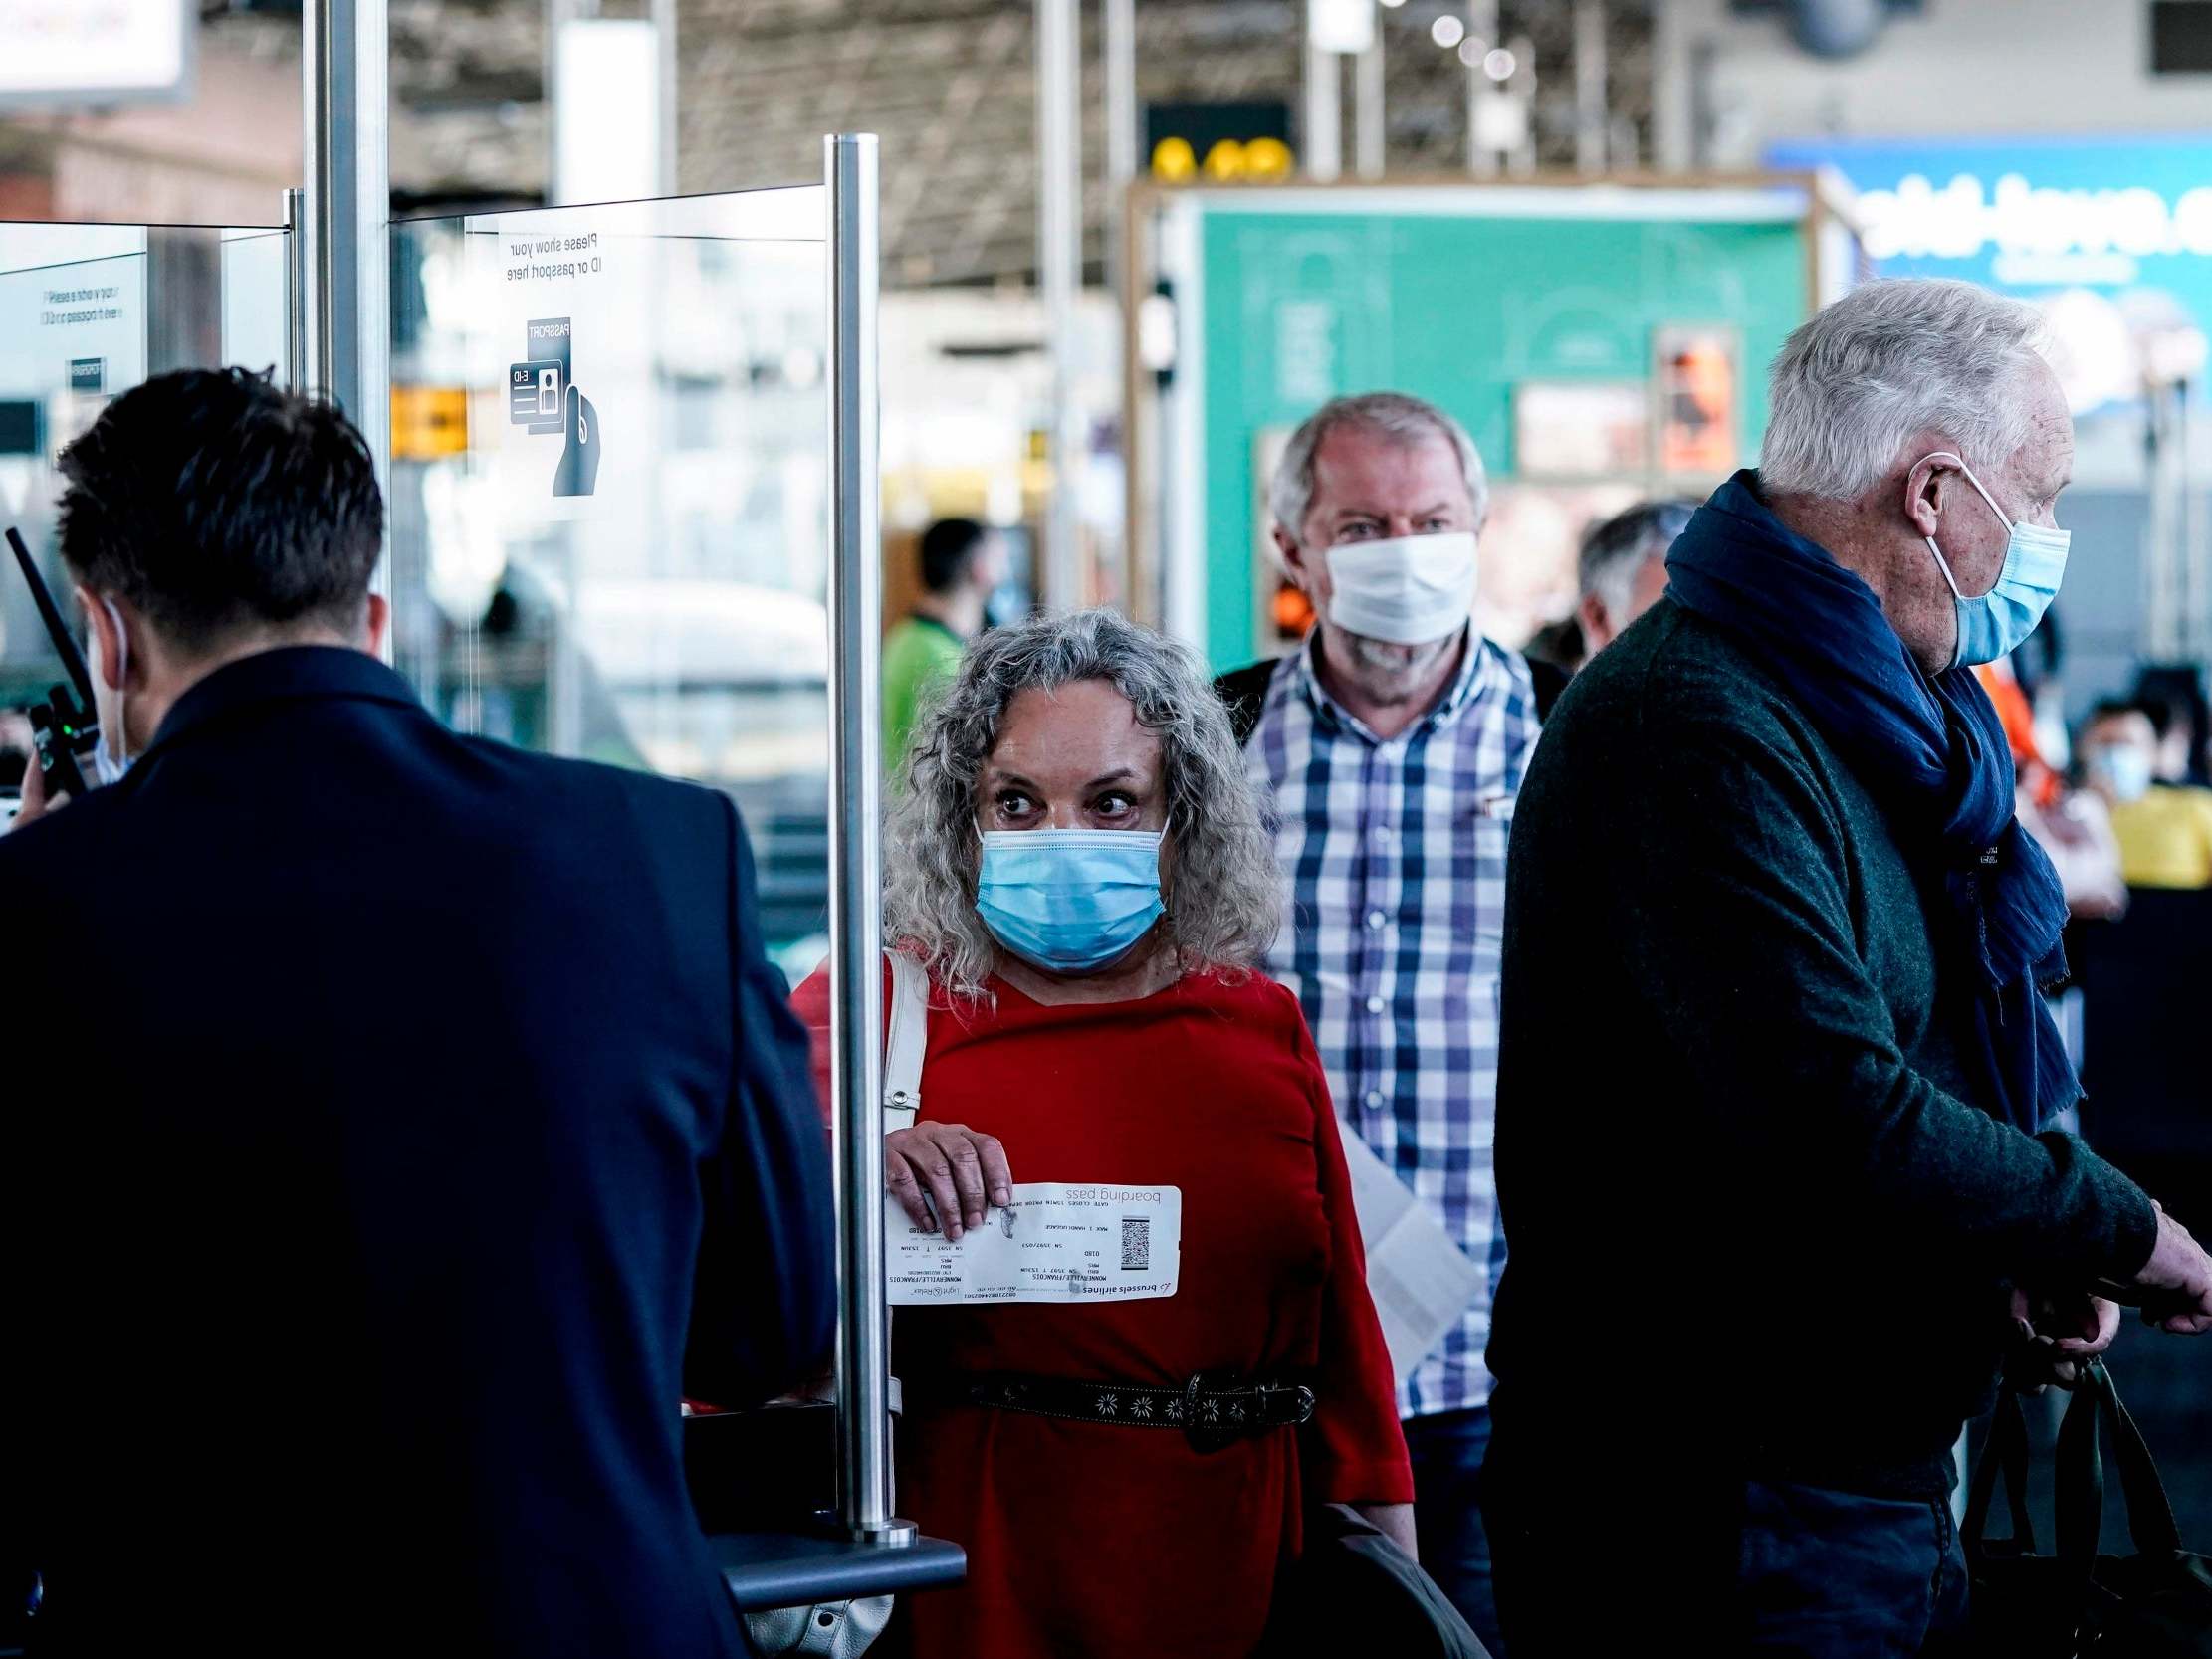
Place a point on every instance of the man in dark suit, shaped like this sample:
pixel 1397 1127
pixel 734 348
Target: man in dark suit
pixel 402 1123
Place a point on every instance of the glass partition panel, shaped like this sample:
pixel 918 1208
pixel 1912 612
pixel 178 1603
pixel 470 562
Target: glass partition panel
pixel 254 267
pixel 611 500
pixel 86 311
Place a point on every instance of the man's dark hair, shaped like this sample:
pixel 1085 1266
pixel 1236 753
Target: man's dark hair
pixel 215 502
pixel 947 547
pixel 2163 713
pixel 2116 707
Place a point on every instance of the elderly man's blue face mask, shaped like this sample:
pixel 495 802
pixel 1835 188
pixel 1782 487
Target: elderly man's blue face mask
pixel 1994 624
pixel 1070 901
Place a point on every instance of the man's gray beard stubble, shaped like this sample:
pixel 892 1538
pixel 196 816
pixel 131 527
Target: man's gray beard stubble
pixel 1380 662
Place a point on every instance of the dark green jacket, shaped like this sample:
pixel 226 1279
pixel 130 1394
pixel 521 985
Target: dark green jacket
pixel 1744 1183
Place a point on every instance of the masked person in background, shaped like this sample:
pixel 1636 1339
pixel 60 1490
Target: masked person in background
pixel 2164 829
pixel 1389 747
pixel 1777 1231
pixel 1079 862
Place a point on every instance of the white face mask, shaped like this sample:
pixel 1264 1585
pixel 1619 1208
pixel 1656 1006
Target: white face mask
pixel 111 759
pixel 1409 590
pixel 2127 768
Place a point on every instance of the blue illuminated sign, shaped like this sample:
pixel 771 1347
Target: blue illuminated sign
pixel 2032 215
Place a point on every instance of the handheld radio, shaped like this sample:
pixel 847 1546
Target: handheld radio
pixel 65 728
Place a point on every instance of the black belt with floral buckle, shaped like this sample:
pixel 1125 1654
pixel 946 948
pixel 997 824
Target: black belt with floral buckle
pixel 1211 1410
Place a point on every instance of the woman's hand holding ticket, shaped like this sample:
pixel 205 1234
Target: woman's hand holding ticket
pixel 954 1168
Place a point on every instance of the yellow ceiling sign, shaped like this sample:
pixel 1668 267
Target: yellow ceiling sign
pixel 428 422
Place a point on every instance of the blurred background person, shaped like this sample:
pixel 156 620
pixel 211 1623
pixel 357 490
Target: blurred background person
pixel 2072 825
pixel 1623 568
pixel 2164 829
pixel 1079 863
pixel 1389 748
pixel 2075 829
pixel 400 1125
pixel 2174 699
pixel 1555 652
pixel 963 563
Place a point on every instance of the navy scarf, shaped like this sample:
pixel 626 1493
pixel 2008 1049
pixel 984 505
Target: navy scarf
pixel 1931 751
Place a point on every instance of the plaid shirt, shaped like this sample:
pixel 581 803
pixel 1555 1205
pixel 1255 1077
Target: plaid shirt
pixel 1394 874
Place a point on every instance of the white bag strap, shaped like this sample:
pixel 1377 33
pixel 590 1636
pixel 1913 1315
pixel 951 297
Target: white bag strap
pixel 906 1041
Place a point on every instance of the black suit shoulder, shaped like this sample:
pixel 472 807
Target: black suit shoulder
pixel 559 775
pixel 1245 690
pixel 1548 679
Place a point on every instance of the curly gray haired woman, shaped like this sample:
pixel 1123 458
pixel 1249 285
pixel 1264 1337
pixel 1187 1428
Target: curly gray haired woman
pixel 1222 884
pixel 1080 859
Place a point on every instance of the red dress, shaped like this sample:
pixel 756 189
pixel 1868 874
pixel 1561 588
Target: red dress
pixel 1090 1537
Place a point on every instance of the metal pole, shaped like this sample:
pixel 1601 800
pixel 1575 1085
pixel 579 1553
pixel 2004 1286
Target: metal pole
pixel 1590 87
pixel 1369 140
pixel 1118 27
pixel 346 149
pixel 1119 23
pixel 664 40
pixel 1522 86
pixel 296 285
pixel 1324 134
pixel 1060 275
pixel 2197 554
pixel 1673 92
pixel 1482 26
pixel 856 863
pixel 315 166
pixel 558 12
pixel 2161 637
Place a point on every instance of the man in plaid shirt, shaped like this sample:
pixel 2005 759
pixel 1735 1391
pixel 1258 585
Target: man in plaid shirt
pixel 1391 746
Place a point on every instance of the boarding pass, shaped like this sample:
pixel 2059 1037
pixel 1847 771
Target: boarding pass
pixel 1056 1242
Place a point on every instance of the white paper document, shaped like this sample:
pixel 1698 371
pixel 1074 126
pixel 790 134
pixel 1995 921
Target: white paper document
pixel 1420 1281
pixel 1056 1242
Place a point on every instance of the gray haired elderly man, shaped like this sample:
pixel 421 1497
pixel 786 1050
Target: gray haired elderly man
pixel 1623 568
pixel 1775 1234
pixel 1391 746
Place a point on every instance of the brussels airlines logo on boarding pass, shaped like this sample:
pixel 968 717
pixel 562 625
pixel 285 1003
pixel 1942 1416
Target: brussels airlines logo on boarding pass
pixel 1055 1243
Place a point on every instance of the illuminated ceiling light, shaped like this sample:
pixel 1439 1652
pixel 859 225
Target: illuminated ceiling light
pixel 1500 65
pixel 1470 52
pixel 1448 32
pixel 1394 4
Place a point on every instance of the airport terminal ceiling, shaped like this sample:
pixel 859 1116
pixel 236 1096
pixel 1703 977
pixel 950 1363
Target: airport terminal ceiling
pixel 948 84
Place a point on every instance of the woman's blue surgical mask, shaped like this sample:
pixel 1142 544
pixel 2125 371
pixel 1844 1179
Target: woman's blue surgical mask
pixel 1070 901
pixel 1998 622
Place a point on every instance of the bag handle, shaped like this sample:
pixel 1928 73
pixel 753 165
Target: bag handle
pixel 2150 1521
pixel 906 1041
pixel 2080 1475
pixel 2150 1514
pixel 2006 1454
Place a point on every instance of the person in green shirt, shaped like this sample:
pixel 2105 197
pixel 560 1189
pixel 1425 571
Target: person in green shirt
pixel 961 563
